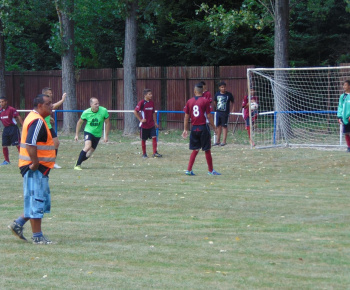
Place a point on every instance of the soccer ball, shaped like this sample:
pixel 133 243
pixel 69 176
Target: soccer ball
pixel 254 106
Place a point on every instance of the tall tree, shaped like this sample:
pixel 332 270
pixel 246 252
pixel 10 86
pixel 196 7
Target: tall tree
pixel 65 10
pixel 130 96
pixel 2 61
pixel 281 33
pixel 281 61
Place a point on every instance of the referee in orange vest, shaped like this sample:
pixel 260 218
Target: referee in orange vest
pixel 36 158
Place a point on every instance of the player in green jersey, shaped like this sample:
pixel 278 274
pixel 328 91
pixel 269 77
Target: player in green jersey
pixel 95 117
pixel 343 112
pixel 49 119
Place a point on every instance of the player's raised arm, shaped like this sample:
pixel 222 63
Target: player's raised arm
pixel 60 102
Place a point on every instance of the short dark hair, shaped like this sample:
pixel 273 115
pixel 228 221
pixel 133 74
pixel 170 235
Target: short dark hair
pixel 44 90
pixel 203 83
pixel 198 88
pixel 3 98
pixel 348 82
pixel 39 99
pixel 146 91
pixel 221 84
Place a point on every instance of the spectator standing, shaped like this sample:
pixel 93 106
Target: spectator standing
pixel 36 158
pixel 223 102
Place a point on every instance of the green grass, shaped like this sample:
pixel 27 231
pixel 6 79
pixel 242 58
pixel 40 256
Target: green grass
pixel 276 218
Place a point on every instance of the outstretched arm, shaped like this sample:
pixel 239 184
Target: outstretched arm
pixel 59 103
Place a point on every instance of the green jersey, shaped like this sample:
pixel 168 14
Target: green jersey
pixel 95 120
pixel 47 120
pixel 344 108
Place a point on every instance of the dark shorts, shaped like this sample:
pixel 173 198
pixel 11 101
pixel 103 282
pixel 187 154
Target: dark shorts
pixel 11 136
pixel 254 117
pixel 200 138
pixel 221 119
pixel 148 133
pixel 53 133
pixel 94 140
pixel 346 128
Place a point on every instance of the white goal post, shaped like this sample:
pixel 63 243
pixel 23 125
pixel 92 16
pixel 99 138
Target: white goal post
pixel 297 106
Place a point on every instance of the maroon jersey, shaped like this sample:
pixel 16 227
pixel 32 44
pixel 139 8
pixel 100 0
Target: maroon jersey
pixel 244 103
pixel 207 95
pixel 8 116
pixel 147 110
pixel 198 108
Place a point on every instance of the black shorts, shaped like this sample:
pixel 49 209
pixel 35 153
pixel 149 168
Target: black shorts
pixel 11 136
pixel 53 133
pixel 346 128
pixel 254 117
pixel 221 119
pixel 94 140
pixel 148 133
pixel 200 138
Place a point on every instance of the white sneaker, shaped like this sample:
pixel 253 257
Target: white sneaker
pixel 57 166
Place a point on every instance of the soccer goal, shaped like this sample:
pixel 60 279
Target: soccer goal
pixel 297 106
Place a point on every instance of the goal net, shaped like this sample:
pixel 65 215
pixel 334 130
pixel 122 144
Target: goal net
pixel 297 106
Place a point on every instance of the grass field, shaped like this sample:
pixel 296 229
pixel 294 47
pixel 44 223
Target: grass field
pixel 275 219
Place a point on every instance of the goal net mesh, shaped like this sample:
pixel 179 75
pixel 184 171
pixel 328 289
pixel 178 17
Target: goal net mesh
pixel 297 107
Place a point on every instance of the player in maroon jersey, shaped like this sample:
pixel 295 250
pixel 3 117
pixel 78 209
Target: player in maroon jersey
pixel 145 113
pixel 198 109
pixel 10 135
pixel 245 107
pixel 206 93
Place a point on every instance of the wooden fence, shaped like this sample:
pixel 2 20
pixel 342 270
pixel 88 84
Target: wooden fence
pixel 171 88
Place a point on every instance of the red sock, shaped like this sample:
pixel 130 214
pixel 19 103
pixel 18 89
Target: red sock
pixel 143 145
pixel 347 139
pixel 154 143
pixel 192 159
pixel 5 150
pixel 18 148
pixel 248 130
pixel 209 160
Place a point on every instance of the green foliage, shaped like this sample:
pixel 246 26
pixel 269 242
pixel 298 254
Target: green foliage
pixel 319 33
pixel 26 30
pixel 318 29
pixel 174 33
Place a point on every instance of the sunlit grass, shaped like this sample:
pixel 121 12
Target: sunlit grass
pixel 276 218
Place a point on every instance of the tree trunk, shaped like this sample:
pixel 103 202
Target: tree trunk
pixel 65 10
pixel 2 62
pixel 284 130
pixel 281 33
pixel 130 97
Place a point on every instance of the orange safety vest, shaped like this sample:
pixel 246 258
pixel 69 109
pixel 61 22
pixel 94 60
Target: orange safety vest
pixel 45 150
